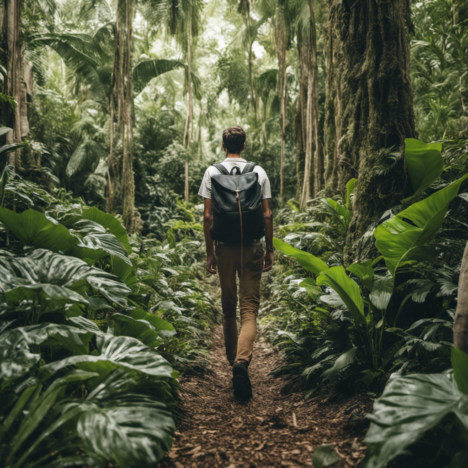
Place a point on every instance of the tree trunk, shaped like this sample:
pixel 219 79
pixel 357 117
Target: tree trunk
pixel 332 110
pixel 125 95
pixel 282 87
pixel 301 113
pixel 374 102
pixel 314 124
pixel 12 86
pixel 460 323
pixel 248 24
pixel 308 186
pixel 115 93
pixel 189 108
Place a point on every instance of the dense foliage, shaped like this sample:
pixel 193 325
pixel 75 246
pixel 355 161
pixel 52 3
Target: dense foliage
pixel 111 110
pixel 388 313
pixel 95 327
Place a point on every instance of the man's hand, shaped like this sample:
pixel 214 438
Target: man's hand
pixel 211 263
pixel 268 261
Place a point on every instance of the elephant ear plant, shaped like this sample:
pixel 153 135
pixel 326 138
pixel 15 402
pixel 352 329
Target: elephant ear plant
pixel 416 408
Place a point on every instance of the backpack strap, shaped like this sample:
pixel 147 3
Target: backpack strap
pixel 221 169
pixel 249 167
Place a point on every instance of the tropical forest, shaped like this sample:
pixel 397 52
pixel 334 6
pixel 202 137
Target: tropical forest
pixel 111 335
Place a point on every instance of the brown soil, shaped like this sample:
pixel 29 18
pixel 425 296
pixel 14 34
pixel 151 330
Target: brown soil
pixel 271 429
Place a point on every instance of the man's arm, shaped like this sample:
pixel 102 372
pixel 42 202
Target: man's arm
pixel 268 215
pixel 207 223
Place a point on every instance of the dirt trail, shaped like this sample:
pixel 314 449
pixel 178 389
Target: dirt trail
pixel 270 430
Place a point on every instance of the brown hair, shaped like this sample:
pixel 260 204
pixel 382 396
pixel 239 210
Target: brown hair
pixel 234 139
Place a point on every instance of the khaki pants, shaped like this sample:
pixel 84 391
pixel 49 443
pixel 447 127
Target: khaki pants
pixel 239 349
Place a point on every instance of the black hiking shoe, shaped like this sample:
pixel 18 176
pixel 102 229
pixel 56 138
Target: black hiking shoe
pixel 241 381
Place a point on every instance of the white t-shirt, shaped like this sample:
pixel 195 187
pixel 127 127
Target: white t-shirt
pixel 229 163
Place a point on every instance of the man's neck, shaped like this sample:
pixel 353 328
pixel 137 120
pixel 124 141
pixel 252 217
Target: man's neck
pixel 231 155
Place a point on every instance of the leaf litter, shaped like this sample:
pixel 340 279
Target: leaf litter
pixel 271 429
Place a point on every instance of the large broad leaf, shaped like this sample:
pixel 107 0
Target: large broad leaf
pixel 341 363
pixel 131 433
pixel 116 352
pixel 34 229
pixel 34 438
pixel 308 261
pixel 146 327
pixel 405 236
pixel 110 223
pixel 424 162
pixel 364 271
pixel 95 242
pixel 310 286
pixel 48 294
pixel 335 209
pixel 409 407
pixel 45 267
pixel 89 239
pixel 16 357
pixel 347 289
pixel 382 290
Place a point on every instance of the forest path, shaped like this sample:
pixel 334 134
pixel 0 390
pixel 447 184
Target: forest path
pixel 270 430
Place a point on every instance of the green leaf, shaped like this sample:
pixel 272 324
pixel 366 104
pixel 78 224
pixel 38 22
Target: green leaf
pixel 115 352
pixel 339 212
pixel 308 261
pixel 57 295
pixel 341 363
pixel 163 327
pixel 110 223
pixel 410 407
pixel 363 271
pixel 310 286
pixel 134 432
pixel 326 457
pixel 34 229
pixel 460 369
pixel 349 190
pixel 405 236
pixel 45 267
pixel 424 162
pixel 382 290
pixel 15 356
pixel 347 289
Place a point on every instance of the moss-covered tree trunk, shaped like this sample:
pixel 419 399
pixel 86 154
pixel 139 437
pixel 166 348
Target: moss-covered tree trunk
pixel 12 84
pixel 301 112
pixel 126 117
pixel 313 123
pixel 313 167
pixel 373 101
pixel 332 104
pixel 281 44
pixel 189 107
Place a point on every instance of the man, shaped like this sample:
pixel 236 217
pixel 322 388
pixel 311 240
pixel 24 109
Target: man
pixel 246 258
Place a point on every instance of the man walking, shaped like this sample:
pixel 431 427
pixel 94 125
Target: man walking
pixel 237 216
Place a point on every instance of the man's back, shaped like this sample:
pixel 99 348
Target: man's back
pixel 229 164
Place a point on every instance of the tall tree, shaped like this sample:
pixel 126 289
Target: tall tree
pixel 373 104
pixel 182 19
pixel 124 91
pixel 12 47
pixel 313 164
pixel 281 35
